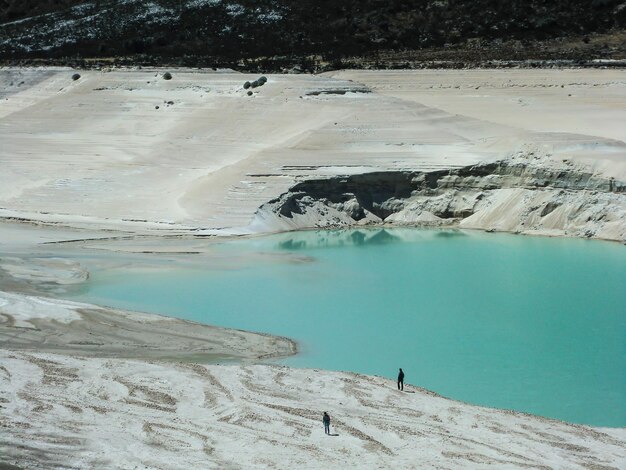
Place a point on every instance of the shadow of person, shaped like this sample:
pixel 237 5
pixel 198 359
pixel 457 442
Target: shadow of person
pixel 335 434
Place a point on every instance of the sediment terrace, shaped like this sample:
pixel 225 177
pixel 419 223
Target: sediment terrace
pixel 129 151
pixel 512 195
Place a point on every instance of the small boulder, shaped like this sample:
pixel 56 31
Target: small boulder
pixel 254 84
pixel 262 80
pixel 76 76
pixel 249 93
pixel 246 85
pixel 167 76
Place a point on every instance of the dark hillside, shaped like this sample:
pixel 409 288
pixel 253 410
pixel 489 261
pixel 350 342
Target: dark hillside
pixel 228 31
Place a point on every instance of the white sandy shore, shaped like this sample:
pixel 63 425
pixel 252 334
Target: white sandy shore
pixel 68 412
pixel 93 164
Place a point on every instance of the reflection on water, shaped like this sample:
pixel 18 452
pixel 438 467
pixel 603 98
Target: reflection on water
pixel 326 239
pixel 450 233
pixel 382 237
pixel 292 244
pixel 294 241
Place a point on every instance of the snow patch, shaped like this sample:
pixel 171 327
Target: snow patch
pixel 235 9
pixel 200 3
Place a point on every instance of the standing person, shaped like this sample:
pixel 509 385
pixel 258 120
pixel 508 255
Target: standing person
pixel 401 380
pixel 326 420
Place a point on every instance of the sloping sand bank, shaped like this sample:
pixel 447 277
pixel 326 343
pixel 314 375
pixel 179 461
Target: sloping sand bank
pixel 62 411
pixel 42 324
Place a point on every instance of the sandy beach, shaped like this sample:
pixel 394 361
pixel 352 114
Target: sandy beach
pixel 122 161
pixel 65 412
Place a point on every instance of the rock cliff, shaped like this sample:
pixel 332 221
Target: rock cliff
pixel 514 196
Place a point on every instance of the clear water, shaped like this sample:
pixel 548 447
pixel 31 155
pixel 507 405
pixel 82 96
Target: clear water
pixel 531 324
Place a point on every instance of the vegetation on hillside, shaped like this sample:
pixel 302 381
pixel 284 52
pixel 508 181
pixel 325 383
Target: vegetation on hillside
pixel 246 29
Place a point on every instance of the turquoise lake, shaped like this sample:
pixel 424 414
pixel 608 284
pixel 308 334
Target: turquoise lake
pixel 526 323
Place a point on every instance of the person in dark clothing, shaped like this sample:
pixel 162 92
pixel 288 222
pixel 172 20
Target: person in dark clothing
pixel 326 420
pixel 401 379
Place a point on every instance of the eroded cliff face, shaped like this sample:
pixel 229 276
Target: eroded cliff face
pixel 513 196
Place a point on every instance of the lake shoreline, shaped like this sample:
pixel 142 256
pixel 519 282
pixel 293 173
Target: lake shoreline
pixel 254 348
